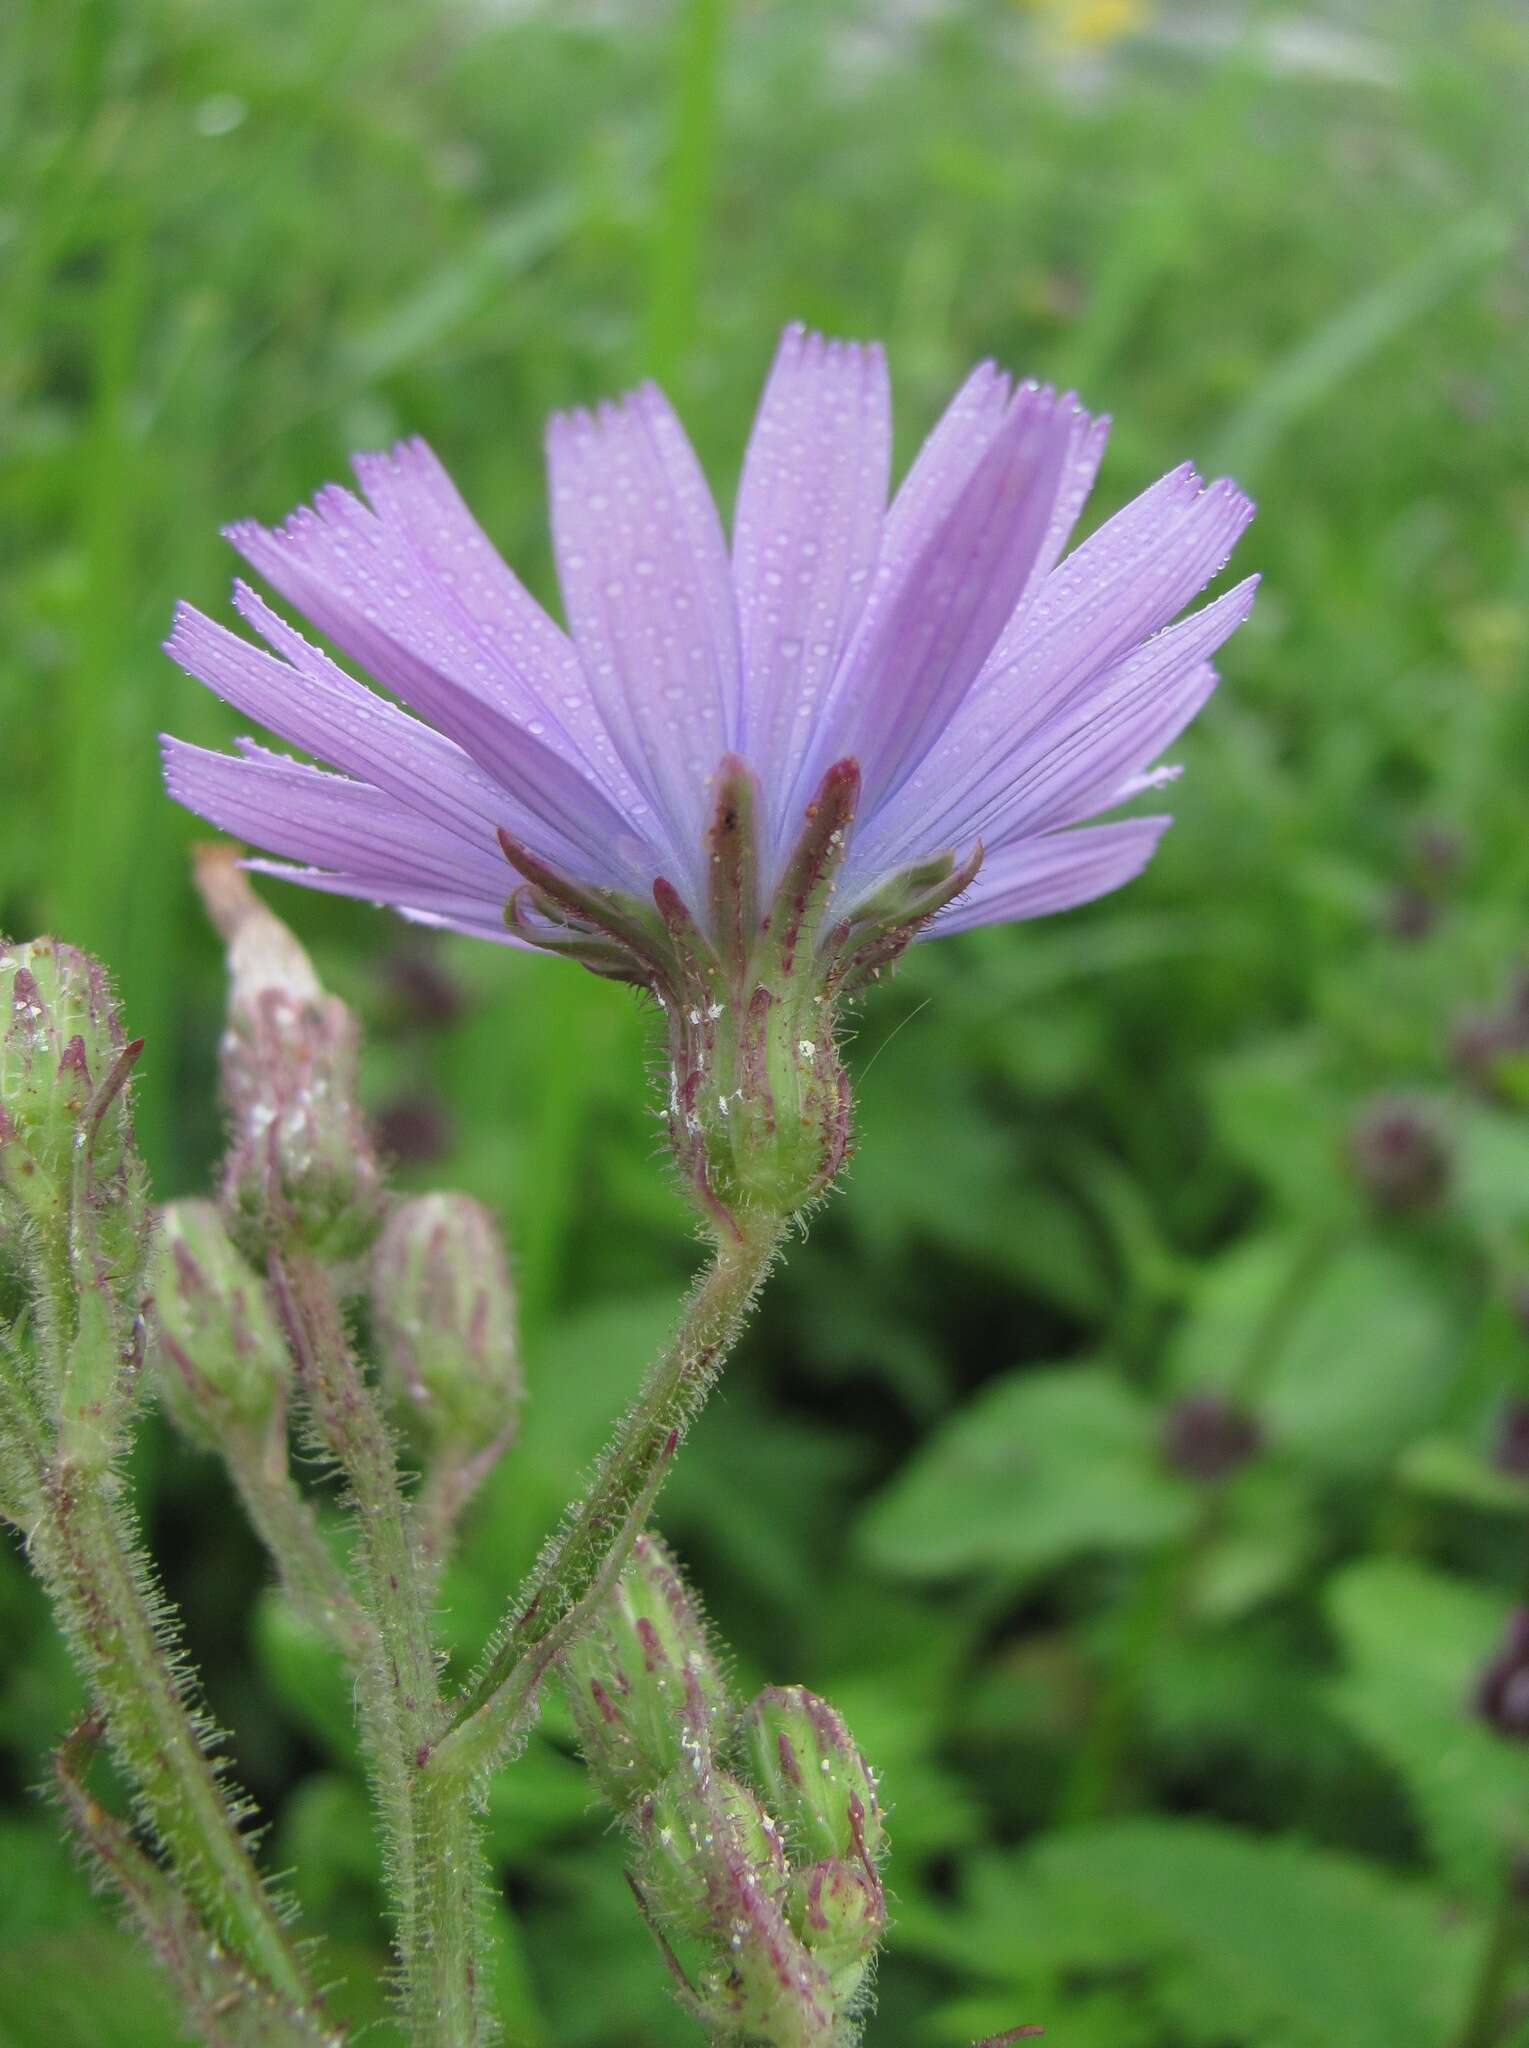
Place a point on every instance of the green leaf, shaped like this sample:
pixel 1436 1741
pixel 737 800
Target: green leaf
pixel 1449 1470
pixel 1363 1352
pixel 1265 1542
pixel 1243 1938
pixel 1042 1467
pixel 1274 1115
pixel 1414 1642
pixel 1492 1167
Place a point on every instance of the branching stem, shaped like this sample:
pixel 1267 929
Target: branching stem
pixel 488 1716
pixel 437 1874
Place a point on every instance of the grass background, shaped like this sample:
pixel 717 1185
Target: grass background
pixel 1171 1767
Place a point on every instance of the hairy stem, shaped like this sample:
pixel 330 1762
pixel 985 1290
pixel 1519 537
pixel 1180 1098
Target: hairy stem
pixel 311 1577
pixel 224 2006
pixel 601 1527
pixel 116 1619
pixel 435 1866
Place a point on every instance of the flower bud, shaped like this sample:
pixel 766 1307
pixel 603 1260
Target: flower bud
pixel 702 1839
pixel 1510 1447
pixel 1502 1691
pixel 710 1870
pixel 838 1912
pixel 66 1129
pixel 1489 1049
pixel 1399 1156
pixel 69 1164
pixel 646 1691
pixel 1207 1437
pixel 300 1168
pixel 422 994
pixel 444 1317
pixel 224 1362
pixel 1438 849
pixel 814 1779
pixel 1409 914
pixel 74 1209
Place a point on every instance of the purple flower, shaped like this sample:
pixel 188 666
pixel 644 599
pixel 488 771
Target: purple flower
pixel 991 691
pixel 738 771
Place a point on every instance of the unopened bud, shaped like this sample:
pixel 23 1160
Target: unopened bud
pixel 1502 1691
pixel 815 1781
pixel 1490 1051
pixel 413 1129
pixel 444 1311
pixel 1438 849
pixel 838 1912
pixel 67 1151
pixel 224 1363
pixel 74 1207
pixel 301 1169
pixel 1399 1156
pixel 1409 914
pixel 1510 1449
pixel 710 1870
pixel 646 1690
pixel 703 1838
pixel 1207 1437
pixel 422 993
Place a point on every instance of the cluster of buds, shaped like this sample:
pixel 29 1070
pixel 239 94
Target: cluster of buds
pixel 301 1169
pixel 1435 854
pixel 1399 1156
pixel 443 1316
pixel 758 1107
pixel 1510 1445
pixel 74 1211
pixel 1490 1048
pixel 756 1835
pixel 1502 1691
pixel 1209 1438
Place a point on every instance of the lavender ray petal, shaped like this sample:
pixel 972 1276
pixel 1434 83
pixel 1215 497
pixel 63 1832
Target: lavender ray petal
pixel 535 668
pixel 649 597
pixel 1121 586
pixel 1112 768
pixel 951 451
pixel 516 755
pixel 806 535
pixel 1083 622
pixel 442 909
pixel 1096 740
pixel 304 814
pixel 312 703
pixel 919 655
pixel 1080 468
pixel 1035 877
pixel 359 579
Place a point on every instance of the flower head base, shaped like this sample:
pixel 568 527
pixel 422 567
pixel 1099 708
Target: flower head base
pixel 935 676
pixel 758 1102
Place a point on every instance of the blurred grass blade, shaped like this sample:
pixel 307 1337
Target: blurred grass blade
pixel 674 280
pixel 1315 369
pixel 505 250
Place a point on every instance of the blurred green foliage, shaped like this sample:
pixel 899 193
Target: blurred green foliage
pixel 1173 1764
